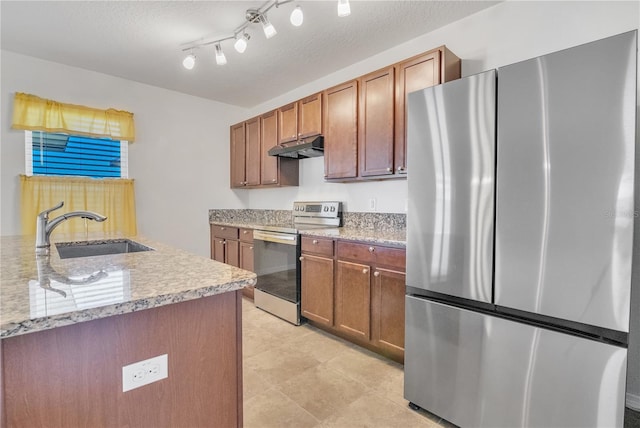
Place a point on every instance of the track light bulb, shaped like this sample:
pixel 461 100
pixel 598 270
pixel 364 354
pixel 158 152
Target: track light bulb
pixel 241 42
pixel 220 58
pixel 344 9
pixel 296 17
pixel 189 61
pixel 267 27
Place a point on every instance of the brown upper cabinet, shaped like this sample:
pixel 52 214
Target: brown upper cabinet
pixel 431 68
pixel 363 122
pixel 251 165
pixel 252 160
pixel 375 123
pixel 238 157
pixel 341 131
pixel 245 153
pixel 310 116
pixel 300 119
pixel 288 123
pixel 381 131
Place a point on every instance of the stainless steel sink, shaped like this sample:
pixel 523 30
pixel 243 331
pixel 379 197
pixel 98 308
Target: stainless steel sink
pixel 68 250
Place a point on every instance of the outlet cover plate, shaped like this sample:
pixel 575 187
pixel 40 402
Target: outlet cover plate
pixel 144 372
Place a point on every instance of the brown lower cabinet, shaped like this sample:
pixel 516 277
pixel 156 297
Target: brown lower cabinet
pixel 362 298
pixel 233 246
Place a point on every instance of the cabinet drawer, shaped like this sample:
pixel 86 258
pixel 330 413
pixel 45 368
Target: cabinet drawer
pixel 363 253
pixel 246 235
pixel 373 254
pixel 392 257
pixel 321 246
pixel 224 231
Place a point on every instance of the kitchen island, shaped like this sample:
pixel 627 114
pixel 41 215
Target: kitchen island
pixel 69 326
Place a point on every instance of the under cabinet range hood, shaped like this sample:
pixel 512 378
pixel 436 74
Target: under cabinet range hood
pixel 306 148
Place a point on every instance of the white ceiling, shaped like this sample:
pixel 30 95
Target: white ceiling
pixel 142 40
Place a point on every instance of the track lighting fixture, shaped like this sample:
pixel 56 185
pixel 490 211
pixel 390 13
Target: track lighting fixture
pixel 296 17
pixel 220 58
pixel 344 9
pixel 189 61
pixel 241 36
pixel 267 27
pixel 241 42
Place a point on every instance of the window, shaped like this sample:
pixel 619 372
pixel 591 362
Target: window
pixel 63 154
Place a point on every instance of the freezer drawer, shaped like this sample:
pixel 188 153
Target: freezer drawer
pixel 451 156
pixel 477 370
pixel 565 186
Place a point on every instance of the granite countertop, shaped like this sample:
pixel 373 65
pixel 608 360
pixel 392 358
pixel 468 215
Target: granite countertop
pixel 395 238
pixel 39 293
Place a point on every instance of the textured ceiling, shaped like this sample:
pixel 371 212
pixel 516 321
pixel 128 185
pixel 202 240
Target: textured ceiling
pixel 142 40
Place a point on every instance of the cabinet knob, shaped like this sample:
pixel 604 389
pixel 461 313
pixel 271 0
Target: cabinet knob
pixel 371 249
pixel 400 168
pixel 365 270
pixel 315 241
pixel 376 274
pixel 301 258
pixel 273 180
pixel 222 228
pixel 389 169
pixel 221 242
pixel 245 232
pixel 251 248
pixel 224 242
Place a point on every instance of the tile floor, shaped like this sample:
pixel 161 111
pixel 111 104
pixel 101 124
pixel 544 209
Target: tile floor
pixel 303 377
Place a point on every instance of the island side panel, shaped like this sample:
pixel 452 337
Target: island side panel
pixel 72 376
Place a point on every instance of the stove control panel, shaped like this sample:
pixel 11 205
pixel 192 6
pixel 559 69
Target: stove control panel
pixel 317 209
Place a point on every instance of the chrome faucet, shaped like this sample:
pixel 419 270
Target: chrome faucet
pixel 44 227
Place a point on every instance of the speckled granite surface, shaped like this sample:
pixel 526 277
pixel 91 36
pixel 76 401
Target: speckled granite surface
pixel 245 217
pixel 380 228
pixel 47 292
pixel 392 238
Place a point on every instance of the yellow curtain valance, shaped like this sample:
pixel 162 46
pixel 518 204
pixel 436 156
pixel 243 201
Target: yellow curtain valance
pixel 38 114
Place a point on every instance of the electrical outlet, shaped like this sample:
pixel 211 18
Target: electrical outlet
pixel 144 372
pixel 372 204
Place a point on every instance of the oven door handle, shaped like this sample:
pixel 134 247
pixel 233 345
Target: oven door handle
pixel 281 238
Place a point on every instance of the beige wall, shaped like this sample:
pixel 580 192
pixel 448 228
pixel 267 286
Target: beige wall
pixel 179 160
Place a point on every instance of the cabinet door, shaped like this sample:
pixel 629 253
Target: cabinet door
pixel 341 131
pixel 252 152
pixel 237 155
pixel 317 289
pixel 232 252
pixel 310 116
pixel 269 139
pixel 218 250
pixel 288 123
pixel 387 310
pixel 246 256
pixel 353 299
pixel 376 123
pixel 416 73
pixel 246 262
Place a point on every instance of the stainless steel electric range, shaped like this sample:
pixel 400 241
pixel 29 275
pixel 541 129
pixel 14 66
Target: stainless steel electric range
pixel 277 257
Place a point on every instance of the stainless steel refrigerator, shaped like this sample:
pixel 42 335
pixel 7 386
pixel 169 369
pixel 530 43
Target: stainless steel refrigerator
pixel 519 241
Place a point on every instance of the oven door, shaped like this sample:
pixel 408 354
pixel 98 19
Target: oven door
pixel 276 258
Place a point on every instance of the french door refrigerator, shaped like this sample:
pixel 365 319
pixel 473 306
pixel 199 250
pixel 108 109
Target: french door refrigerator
pixel 519 241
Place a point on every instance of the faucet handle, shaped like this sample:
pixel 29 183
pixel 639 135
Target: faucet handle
pixel 45 213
